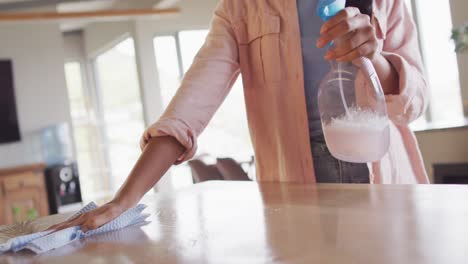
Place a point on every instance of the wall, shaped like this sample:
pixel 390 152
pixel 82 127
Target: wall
pixel 99 37
pixel 194 15
pixel 73 46
pixel 41 95
pixel 443 146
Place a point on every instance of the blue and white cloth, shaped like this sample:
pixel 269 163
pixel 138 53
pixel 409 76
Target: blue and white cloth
pixel 44 241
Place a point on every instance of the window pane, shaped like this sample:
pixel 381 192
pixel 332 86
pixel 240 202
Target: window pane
pixel 74 80
pixel 227 134
pixel 168 67
pixel 91 164
pixel 440 60
pixel 75 89
pixel 122 108
pixel 190 43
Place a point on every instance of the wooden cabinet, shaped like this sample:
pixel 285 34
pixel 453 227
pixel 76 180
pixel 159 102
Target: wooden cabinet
pixel 23 194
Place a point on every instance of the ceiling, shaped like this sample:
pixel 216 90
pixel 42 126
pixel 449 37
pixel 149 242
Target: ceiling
pixel 18 5
pixel 63 6
pixel 78 5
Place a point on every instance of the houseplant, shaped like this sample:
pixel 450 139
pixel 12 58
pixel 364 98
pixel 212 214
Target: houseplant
pixel 460 36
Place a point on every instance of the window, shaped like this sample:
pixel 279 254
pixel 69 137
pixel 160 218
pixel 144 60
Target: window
pixel 440 60
pixel 91 161
pixel 227 134
pixel 121 108
pixel 167 61
pixel 190 43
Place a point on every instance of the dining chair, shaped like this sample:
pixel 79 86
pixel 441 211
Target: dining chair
pixel 231 170
pixel 202 172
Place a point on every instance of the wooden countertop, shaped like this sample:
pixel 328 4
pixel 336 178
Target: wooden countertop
pixel 242 222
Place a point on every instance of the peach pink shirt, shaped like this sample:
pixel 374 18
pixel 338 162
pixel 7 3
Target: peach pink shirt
pixel 261 40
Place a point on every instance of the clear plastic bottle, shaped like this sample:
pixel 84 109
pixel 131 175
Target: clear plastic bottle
pixel 353 112
pixel 352 105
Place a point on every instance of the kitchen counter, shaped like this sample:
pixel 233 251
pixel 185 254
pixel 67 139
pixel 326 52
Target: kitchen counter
pixel 242 222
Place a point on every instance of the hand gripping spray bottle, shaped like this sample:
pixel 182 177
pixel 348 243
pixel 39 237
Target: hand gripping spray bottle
pixel 352 105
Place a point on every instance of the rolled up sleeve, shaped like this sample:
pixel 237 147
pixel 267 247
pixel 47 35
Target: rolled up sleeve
pixel 174 128
pixel 401 49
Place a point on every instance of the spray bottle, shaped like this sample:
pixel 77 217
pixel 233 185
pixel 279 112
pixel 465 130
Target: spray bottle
pixel 352 105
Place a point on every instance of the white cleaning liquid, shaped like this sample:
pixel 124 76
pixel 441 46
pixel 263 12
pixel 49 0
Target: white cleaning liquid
pixel 359 136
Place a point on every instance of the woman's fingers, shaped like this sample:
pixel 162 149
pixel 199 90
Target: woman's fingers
pixel 58 226
pixel 353 34
pixel 354 41
pixel 345 27
pixel 53 227
pixel 98 220
pixel 92 219
pixel 365 50
pixel 72 222
pixel 344 15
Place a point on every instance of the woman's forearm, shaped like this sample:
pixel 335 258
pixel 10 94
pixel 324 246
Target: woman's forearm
pixel 158 156
pixel 387 74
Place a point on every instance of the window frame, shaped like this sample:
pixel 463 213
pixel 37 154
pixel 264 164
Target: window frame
pixel 88 121
pixel 99 99
pixel 417 20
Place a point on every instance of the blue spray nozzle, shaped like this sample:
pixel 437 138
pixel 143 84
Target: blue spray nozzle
pixel 326 9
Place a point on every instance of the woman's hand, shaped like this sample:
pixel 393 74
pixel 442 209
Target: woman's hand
pixel 93 219
pixel 354 37
pixel 157 157
pixel 353 34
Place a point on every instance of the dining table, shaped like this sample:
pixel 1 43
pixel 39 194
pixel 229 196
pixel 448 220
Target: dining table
pixel 248 222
